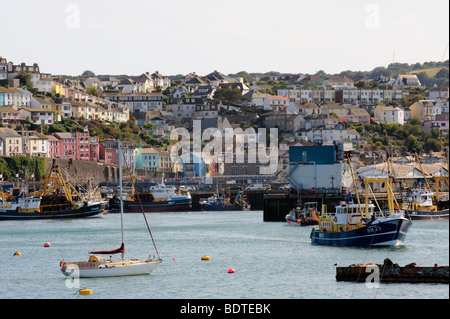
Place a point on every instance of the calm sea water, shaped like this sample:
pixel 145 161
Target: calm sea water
pixel 272 260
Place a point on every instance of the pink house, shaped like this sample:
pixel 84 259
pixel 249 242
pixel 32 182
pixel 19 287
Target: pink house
pixel 76 145
pixel 440 123
pixel 54 147
pixel 108 152
pixel 355 115
pixel 67 145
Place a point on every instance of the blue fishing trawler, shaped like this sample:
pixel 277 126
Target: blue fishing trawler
pixel 357 224
pixel 348 226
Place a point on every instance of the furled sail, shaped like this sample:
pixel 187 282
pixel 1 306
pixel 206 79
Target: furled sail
pixel 109 252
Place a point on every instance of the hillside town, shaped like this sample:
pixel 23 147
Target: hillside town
pixel 36 109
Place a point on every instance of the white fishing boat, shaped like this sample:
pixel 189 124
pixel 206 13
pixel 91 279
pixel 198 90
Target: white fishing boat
pixel 97 266
pixel 418 204
pixel 158 198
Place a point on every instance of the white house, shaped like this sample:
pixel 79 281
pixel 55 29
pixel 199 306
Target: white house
pixel 182 108
pixel 160 80
pixel 126 86
pixel 42 82
pixel 34 144
pixel 329 135
pixel 407 80
pixel 338 82
pixel 37 115
pixel 138 102
pixel 276 103
pixel 437 92
pixel 257 99
pixel 389 114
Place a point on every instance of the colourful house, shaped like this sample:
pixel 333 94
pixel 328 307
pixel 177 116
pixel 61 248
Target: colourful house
pixel 147 158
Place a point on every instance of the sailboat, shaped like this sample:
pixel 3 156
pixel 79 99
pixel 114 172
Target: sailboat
pixel 97 266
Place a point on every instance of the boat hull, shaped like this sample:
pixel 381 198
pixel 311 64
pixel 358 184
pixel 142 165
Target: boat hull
pixel 383 232
pixel 95 210
pixel 140 268
pixel 213 207
pixel 150 207
pixel 426 215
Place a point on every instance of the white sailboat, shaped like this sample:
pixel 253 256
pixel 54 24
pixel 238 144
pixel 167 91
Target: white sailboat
pixel 97 266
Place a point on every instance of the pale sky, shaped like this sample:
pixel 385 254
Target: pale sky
pixel 182 36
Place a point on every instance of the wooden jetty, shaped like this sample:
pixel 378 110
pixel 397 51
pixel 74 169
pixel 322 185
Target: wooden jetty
pixel 389 272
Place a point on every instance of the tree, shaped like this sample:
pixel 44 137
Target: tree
pixel 96 131
pixel 87 74
pixel 25 80
pixel 92 90
pixel 442 73
pixel 229 96
pixel 322 74
pixel 432 144
pixel 360 84
pixel 149 126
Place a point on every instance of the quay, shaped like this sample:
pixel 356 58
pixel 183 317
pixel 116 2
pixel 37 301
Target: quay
pixel 389 272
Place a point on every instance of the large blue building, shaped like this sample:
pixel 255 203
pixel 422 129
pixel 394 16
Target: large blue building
pixel 313 167
pixel 193 166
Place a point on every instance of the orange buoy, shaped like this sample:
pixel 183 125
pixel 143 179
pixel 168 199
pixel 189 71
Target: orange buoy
pixel 231 271
pixel 85 292
pixel 206 258
pixel 47 244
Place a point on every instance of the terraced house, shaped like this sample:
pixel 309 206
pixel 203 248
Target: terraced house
pixel 12 142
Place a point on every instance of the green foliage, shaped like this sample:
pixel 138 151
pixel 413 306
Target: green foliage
pixel 96 131
pixel 408 137
pixel 24 166
pixel 87 74
pixel 229 96
pixel 25 80
pixel 92 90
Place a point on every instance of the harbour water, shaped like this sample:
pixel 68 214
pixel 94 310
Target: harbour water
pixel 272 260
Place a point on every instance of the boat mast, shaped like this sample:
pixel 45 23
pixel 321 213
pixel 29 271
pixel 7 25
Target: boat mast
pixel 120 193
pixel 356 189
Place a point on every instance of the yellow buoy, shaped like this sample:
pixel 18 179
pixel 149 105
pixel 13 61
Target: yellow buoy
pixel 85 292
pixel 17 253
pixel 206 258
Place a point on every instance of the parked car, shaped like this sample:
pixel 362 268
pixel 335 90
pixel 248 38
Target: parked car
pixel 106 189
pixel 205 188
pixel 258 187
pixel 284 187
pixel 236 188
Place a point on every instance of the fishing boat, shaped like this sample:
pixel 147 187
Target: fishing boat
pixel 222 203
pixel 348 226
pixel 303 217
pixel 97 266
pixel 21 203
pixel 418 204
pixel 158 198
pixel 57 198
pixel 358 225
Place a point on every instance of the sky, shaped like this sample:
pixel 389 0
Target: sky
pixel 181 36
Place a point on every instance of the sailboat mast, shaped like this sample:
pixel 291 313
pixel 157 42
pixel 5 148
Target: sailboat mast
pixel 120 193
